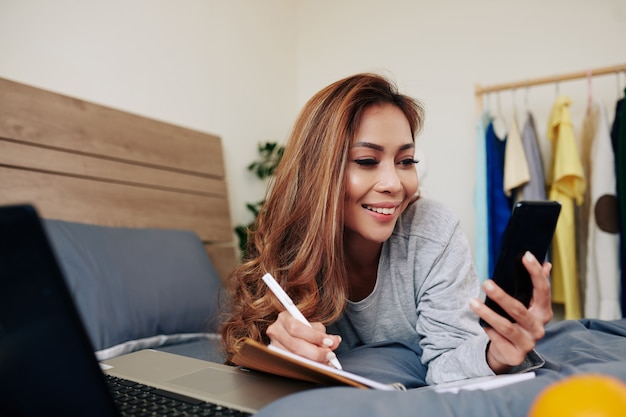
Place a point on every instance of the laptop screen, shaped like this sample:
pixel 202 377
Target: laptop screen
pixel 47 367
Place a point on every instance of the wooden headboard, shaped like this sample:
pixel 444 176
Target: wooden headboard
pixel 87 163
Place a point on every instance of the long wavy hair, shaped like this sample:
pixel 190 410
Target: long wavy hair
pixel 299 234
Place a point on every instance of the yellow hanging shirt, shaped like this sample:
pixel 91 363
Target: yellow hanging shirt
pixel 567 185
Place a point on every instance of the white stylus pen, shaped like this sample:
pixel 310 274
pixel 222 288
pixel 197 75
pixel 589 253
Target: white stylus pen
pixel 290 306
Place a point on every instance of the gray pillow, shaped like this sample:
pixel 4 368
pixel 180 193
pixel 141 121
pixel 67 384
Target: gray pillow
pixel 132 284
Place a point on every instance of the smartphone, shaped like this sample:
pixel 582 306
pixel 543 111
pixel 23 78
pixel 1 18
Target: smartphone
pixel 530 228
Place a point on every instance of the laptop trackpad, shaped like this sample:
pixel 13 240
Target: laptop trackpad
pixel 238 386
pixel 216 382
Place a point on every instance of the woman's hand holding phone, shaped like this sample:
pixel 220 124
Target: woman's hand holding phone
pixel 518 300
pixel 510 341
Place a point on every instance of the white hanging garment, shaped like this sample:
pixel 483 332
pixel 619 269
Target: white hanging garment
pixel 516 172
pixel 602 292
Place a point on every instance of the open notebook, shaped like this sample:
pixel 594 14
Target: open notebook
pixel 277 361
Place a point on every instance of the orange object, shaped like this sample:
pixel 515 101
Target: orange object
pixel 585 395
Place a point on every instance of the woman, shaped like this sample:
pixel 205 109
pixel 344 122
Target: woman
pixel 343 230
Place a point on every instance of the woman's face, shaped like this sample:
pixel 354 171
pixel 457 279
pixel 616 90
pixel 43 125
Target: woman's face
pixel 381 176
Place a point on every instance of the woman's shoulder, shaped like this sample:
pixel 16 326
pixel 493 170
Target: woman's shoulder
pixel 427 217
pixel 428 209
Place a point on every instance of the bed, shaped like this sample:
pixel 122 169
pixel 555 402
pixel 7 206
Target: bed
pixel 138 213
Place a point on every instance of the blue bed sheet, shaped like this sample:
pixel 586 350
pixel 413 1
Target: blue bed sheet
pixel 569 347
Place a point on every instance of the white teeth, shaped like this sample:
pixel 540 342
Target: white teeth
pixel 382 210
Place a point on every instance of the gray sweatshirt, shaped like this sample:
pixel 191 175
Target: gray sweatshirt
pixel 425 280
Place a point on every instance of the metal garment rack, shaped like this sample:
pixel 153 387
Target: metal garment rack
pixel 480 90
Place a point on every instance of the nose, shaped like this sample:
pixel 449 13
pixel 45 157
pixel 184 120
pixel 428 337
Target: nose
pixel 388 180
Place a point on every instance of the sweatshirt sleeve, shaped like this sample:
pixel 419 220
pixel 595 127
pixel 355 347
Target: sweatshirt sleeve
pixel 454 345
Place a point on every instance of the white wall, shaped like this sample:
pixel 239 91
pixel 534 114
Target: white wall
pixel 223 67
pixel 241 69
pixel 438 50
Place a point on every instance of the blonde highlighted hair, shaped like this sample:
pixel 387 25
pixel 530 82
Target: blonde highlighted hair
pixel 298 236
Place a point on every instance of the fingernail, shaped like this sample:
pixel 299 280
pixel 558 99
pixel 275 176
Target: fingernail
pixel 331 356
pixel 529 256
pixel 488 285
pixel 327 341
pixel 474 302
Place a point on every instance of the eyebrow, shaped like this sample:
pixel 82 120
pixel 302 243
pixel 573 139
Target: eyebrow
pixel 380 148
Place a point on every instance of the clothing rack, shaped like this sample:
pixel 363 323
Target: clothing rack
pixel 479 90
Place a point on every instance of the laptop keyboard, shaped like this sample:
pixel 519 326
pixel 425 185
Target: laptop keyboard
pixel 134 399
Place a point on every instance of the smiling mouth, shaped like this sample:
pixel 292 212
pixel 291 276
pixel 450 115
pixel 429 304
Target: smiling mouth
pixel 381 210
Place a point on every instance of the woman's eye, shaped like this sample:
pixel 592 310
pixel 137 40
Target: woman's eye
pixel 408 161
pixel 366 162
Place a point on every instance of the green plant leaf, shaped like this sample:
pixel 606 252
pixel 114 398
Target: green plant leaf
pixel 270 154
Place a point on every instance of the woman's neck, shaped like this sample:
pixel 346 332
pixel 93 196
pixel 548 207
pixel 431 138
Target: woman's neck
pixel 362 266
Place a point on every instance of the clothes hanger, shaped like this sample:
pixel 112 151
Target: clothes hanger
pixel 514 105
pixel 499 121
pixel 589 91
pixel 526 100
pixel 486 101
pixel 556 85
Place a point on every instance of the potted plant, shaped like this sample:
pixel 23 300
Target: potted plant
pixel 270 154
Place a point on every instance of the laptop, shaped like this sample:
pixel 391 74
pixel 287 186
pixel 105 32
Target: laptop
pixel 47 364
